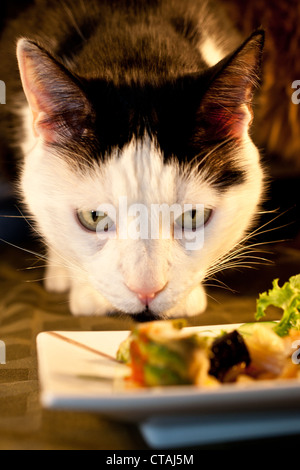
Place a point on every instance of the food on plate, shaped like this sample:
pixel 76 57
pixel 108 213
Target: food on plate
pixel 226 352
pixel 164 353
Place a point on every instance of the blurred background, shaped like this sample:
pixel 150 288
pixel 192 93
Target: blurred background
pixel 276 128
pixel 12 228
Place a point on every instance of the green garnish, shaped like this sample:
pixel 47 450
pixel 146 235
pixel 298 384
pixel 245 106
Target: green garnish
pixel 287 298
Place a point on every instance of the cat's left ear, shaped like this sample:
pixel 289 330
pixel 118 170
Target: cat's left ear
pixel 226 108
pixel 59 107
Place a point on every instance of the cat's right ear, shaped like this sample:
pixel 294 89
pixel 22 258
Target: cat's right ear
pixel 59 107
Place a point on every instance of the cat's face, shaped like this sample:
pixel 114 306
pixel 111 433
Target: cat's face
pixel 201 170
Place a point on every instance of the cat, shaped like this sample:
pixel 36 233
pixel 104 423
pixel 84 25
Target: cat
pixel 146 102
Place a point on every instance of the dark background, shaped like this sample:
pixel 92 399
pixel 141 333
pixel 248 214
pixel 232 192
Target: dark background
pixel 14 230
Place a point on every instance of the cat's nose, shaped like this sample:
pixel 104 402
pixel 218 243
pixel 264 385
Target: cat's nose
pixel 146 296
pixel 146 299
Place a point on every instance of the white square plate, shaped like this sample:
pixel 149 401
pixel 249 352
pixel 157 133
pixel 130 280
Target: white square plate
pixel 72 378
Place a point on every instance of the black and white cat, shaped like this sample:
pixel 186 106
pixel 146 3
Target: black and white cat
pixel 143 102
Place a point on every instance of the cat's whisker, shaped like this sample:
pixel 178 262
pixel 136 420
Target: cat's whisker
pixel 244 255
pixel 219 283
pixel 45 278
pixel 69 267
pixel 259 230
pixel 29 268
pixel 236 259
pixel 213 298
pixel 240 255
pixel 26 250
pixel 2 216
pixel 218 286
pixel 68 263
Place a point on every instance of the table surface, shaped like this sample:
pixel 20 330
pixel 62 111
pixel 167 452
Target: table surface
pixel 26 310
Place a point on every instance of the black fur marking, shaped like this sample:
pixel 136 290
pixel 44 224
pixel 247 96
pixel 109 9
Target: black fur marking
pixel 76 39
pixel 167 113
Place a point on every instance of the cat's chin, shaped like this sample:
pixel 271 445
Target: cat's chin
pixel 85 301
pixel 194 304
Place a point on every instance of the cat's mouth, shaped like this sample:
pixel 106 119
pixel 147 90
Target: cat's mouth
pixel 147 315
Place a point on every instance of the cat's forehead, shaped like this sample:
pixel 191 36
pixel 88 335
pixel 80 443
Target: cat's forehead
pixel 139 172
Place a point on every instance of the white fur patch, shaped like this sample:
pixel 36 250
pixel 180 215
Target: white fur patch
pixel 30 140
pixel 211 53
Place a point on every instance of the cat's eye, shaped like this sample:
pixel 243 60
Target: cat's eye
pixel 193 219
pixel 95 221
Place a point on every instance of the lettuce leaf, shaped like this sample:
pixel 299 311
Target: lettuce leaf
pixel 287 298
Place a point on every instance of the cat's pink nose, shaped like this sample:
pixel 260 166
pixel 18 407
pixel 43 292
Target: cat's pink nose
pixel 146 296
pixel 146 299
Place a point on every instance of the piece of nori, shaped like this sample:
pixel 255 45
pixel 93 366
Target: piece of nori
pixel 227 351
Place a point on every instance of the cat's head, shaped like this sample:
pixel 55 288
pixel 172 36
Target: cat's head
pixel 170 165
